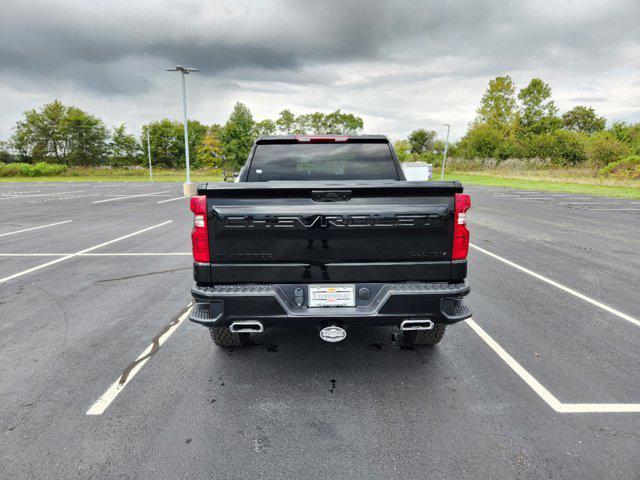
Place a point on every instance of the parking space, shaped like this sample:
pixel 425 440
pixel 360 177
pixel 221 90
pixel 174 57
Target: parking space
pixel 101 298
pixel 595 253
pixel 579 352
pixel 68 193
pixel 566 200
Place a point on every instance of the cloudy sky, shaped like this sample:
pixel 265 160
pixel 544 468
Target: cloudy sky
pixel 399 64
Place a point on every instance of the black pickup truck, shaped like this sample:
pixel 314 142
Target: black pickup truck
pixel 325 231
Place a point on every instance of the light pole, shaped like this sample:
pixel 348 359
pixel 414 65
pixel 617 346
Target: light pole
pixel 185 71
pixel 446 147
pixel 149 152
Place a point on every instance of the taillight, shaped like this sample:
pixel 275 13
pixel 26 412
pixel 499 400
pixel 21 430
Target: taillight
pixel 200 232
pixel 460 230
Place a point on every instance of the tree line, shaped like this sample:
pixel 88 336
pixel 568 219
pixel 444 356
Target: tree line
pixel 527 124
pixel 510 123
pixel 67 135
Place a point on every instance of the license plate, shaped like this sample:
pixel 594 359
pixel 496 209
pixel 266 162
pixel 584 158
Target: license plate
pixel 332 295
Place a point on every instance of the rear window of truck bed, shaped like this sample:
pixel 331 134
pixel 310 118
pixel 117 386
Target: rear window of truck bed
pixel 322 161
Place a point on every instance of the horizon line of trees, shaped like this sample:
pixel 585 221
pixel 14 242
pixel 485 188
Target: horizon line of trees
pixel 67 135
pixel 528 125
pixel 510 123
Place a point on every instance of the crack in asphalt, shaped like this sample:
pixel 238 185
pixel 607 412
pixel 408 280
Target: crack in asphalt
pixel 155 346
pixel 142 275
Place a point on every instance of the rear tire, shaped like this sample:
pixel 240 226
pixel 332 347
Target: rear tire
pixel 423 337
pixel 223 337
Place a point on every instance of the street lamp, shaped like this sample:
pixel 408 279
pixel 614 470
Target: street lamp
pixel 185 71
pixel 446 147
pixel 149 153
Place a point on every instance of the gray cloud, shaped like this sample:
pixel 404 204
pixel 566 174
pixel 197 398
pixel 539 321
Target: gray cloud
pixel 119 49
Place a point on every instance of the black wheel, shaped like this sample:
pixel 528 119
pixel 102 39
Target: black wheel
pixel 223 337
pixel 423 337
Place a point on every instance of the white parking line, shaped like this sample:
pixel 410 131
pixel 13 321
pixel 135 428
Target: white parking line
pixel 172 199
pixel 34 228
pixel 16 195
pixel 114 254
pixel 116 387
pixel 129 196
pixel 562 287
pixel 529 379
pixel 590 203
pixel 76 254
pixel 542 392
pixel 535 198
pixel 614 209
pixel 137 254
pixel 34 254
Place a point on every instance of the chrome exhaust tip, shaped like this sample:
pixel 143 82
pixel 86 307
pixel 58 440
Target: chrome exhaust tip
pixel 416 325
pixel 246 326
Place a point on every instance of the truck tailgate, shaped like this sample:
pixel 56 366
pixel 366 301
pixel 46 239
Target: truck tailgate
pixel 288 232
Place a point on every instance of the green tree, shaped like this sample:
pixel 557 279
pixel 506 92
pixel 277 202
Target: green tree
pixel 482 141
pixel 237 137
pixel 627 133
pixel 403 150
pixel 438 147
pixel 197 133
pixel 286 122
pixel 302 125
pixel 124 148
pixel 498 104
pixel 5 155
pixel 60 134
pixel 167 142
pixel 209 151
pixel 317 122
pixel 570 147
pixel 422 141
pixel 562 147
pixel 264 128
pixel 627 168
pixel 604 148
pixel 583 119
pixel 335 122
pixel 86 136
pixel 40 135
pixel 538 113
pixel 342 123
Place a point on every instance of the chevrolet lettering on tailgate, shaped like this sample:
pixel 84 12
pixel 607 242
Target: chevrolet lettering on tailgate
pixel 325 221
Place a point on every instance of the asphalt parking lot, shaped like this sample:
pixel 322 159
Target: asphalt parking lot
pixel 94 284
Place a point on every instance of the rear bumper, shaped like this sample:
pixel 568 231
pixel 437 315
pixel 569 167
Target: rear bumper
pixel 274 305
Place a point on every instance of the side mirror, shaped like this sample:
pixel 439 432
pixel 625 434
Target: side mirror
pixel 230 176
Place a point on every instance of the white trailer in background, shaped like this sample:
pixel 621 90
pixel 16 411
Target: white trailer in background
pixel 417 171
